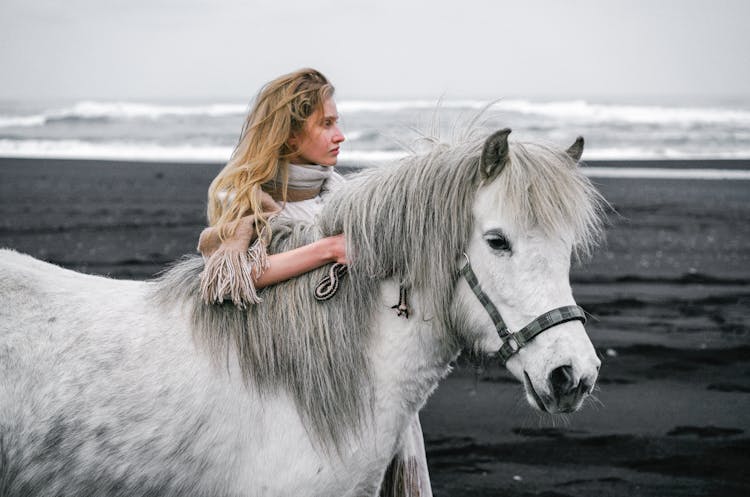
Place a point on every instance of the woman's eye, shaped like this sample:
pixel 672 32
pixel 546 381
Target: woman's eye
pixel 497 241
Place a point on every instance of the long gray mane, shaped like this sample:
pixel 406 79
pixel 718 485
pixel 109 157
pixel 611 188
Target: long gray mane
pixel 411 222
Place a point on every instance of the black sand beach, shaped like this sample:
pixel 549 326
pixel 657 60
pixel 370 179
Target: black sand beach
pixel 669 294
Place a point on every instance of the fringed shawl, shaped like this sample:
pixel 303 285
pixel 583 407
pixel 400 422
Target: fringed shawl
pixel 231 263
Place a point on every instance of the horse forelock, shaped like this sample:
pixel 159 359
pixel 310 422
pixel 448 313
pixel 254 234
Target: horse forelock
pixel 542 187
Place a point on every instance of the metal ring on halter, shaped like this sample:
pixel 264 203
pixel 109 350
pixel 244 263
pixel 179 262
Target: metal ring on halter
pixel 329 284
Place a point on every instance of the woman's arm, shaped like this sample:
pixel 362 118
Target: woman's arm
pixel 289 264
pixel 230 273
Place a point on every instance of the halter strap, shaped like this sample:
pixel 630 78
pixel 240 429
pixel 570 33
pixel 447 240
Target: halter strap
pixel 561 315
pixel 513 342
pixel 489 306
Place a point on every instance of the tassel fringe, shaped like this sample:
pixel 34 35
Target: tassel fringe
pixel 229 274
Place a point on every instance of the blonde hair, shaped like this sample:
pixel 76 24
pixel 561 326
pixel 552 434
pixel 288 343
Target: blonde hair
pixel 279 112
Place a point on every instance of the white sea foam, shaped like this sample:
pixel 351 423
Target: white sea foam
pixel 566 110
pixel 666 173
pixel 371 156
pixel 77 149
pixel 150 152
pixel 662 153
pixel 350 106
pixel 121 111
pixel 582 111
pixel 132 130
pixel 128 110
pixel 354 135
pixel 21 121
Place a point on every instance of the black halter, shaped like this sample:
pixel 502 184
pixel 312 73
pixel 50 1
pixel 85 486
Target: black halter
pixel 513 342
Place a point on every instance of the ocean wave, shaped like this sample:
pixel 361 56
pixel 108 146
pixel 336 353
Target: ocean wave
pixel 658 152
pixel 578 111
pixel 21 121
pixel 583 111
pixel 666 173
pixel 351 106
pixel 371 156
pixel 150 151
pixel 91 110
pixel 78 149
pixel 564 111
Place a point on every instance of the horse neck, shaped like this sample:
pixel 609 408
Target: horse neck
pixel 408 356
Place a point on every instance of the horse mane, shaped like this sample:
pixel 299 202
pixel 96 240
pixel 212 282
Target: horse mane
pixel 315 352
pixel 409 221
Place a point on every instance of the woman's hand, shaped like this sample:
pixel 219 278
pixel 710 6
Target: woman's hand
pixel 337 248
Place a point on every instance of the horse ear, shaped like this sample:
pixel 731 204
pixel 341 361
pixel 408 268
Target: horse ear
pixel 576 150
pixel 494 154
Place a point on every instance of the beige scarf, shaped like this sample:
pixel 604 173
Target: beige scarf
pixel 231 264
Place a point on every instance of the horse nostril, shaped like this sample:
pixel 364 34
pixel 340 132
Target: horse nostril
pixel 562 381
pixel 586 385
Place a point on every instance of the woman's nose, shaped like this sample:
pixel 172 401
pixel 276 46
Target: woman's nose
pixel 338 136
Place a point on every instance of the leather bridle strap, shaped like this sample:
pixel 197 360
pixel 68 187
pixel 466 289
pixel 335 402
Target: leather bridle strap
pixel 513 342
pixel 471 279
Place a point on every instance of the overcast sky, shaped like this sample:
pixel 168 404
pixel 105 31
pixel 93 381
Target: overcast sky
pixel 225 49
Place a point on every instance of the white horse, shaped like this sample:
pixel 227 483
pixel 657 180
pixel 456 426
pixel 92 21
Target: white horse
pixel 114 388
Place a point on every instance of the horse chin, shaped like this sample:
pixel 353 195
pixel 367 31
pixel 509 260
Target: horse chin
pixel 531 395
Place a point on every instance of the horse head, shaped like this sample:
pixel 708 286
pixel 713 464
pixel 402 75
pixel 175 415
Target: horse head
pixel 534 210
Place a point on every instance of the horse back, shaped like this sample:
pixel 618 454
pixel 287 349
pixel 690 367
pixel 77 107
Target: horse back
pixel 28 285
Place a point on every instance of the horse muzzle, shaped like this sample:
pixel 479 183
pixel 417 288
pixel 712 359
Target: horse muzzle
pixel 562 391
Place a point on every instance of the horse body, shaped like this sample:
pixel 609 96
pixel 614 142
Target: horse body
pixel 80 399
pixel 112 388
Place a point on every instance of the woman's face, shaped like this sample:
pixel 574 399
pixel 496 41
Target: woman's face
pixel 319 141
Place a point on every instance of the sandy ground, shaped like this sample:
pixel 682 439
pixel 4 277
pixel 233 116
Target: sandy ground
pixel 669 292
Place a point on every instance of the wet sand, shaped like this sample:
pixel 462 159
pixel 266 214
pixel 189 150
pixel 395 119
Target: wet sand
pixel 669 293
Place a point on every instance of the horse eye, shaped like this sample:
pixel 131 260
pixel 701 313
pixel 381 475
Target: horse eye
pixel 497 241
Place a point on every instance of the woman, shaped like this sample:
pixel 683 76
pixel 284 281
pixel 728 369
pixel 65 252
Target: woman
pixel 291 133
pixel 283 165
